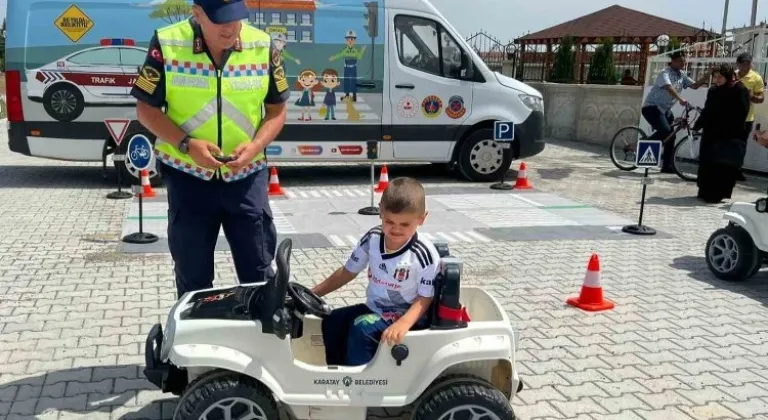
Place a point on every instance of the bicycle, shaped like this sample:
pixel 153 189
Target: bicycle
pixel 685 151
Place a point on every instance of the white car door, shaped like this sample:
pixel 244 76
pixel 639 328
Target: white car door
pixel 98 72
pixel 429 102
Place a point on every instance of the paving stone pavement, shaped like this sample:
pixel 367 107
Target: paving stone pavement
pixel 679 344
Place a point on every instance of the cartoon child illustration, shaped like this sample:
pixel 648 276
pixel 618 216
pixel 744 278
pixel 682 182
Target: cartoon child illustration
pixel 330 82
pixel 350 55
pixel 280 42
pixel 308 84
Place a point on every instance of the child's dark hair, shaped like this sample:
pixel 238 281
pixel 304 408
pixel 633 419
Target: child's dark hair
pixel 404 195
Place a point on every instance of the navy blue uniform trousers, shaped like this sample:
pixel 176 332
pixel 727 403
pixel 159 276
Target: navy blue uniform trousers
pixel 198 209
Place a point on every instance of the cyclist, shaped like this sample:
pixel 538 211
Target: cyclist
pixel 657 108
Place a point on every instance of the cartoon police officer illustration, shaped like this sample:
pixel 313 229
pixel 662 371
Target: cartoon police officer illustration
pixel 280 42
pixel 351 55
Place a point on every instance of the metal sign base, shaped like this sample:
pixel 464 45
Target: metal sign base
pixel 119 194
pixel 140 237
pixel 639 230
pixel 371 210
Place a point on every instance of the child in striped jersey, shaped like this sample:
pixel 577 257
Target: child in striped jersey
pixel 401 270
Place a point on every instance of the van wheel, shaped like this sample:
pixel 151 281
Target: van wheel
pixel 63 102
pixel 129 175
pixel 481 159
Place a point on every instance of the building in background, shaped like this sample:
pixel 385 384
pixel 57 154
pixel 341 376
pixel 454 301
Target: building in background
pixel 294 18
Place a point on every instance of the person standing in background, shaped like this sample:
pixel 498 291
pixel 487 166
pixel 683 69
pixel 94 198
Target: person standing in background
pixel 756 86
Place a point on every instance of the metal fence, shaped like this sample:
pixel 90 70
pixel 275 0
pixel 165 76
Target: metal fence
pixel 490 49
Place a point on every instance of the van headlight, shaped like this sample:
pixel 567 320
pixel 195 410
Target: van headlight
pixel 533 102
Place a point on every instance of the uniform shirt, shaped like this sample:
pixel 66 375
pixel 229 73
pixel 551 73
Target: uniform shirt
pixel 154 60
pixel 754 83
pixel 395 279
pixel 659 96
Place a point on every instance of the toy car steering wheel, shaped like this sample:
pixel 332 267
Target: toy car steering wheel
pixel 307 301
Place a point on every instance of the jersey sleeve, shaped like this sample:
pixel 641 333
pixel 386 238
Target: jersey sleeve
pixel 359 258
pixel 278 91
pixel 429 260
pixel 149 85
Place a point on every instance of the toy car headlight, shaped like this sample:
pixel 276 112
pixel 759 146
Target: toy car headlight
pixel 169 331
pixel 761 205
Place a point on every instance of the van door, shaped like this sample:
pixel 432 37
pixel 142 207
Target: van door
pixel 429 101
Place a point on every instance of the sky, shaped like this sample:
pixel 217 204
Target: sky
pixel 507 19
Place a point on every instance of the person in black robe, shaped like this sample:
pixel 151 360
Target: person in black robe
pixel 722 146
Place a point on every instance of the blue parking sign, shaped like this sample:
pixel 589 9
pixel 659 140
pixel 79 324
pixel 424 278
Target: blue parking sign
pixel 140 152
pixel 648 154
pixel 503 131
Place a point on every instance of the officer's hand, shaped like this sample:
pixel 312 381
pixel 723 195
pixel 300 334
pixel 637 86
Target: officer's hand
pixel 245 153
pixel 202 153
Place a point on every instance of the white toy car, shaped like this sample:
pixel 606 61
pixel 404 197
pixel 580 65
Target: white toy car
pixel 737 251
pixel 239 352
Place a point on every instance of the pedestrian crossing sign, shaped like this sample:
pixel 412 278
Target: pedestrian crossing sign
pixel 648 154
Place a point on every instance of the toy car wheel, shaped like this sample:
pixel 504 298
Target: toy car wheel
pixel 470 399
pixel 226 395
pixel 732 255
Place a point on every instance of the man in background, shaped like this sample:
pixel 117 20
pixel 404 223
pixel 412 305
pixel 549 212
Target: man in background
pixel 754 83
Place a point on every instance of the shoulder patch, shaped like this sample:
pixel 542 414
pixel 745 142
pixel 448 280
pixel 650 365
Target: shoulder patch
pixel 367 236
pixel 148 79
pixel 423 254
pixel 278 73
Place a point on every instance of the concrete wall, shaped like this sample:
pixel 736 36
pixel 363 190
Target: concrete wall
pixel 588 113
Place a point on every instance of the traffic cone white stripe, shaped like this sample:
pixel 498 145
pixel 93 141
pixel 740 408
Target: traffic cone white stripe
pixel 592 279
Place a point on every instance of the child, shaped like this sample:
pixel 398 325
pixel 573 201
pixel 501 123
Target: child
pixel 401 269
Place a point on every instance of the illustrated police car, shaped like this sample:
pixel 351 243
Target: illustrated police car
pixel 96 76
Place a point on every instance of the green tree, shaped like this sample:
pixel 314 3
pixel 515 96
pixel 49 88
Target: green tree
pixel 2 47
pixel 601 67
pixel 565 57
pixel 172 11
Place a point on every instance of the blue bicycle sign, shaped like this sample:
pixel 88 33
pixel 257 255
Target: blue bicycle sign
pixel 140 152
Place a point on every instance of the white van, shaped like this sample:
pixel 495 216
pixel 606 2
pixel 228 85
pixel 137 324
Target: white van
pixel 392 71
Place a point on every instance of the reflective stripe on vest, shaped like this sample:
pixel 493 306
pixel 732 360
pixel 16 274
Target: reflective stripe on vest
pixel 194 86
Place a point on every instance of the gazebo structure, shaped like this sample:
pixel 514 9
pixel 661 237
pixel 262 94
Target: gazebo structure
pixel 632 33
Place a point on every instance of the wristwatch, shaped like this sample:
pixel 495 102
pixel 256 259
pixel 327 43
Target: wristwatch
pixel 184 144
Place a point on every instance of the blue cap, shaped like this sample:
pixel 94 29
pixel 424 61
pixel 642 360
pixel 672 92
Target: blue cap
pixel 224 11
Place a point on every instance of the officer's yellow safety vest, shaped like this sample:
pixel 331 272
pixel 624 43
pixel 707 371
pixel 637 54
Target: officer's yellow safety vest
pixel 201 98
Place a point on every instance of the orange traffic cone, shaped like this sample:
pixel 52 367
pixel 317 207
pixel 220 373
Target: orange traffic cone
pixel 147 192
pixel 522 178
pixel 274 184
pixel 383 180
pixel 591 297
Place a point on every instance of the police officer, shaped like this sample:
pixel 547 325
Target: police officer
pixel 214 75
pixel 351 55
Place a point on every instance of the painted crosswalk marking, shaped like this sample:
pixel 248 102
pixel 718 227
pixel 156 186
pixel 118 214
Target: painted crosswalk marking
pixel 282 224
pixel 329 193
pixel 469 236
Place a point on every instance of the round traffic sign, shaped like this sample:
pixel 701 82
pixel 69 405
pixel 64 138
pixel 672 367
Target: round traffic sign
pixel 140 151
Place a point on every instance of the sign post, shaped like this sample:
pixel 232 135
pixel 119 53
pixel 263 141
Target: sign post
pixel 647 156
pixel 140 155
pixel 373 154
pixel 504 135
pixel 117 129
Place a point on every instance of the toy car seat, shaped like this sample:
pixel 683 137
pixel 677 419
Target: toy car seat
pixel 446 311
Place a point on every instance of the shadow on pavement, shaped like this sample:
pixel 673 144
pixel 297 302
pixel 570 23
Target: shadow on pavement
pixel 49 176
pixel 97 392
pixel 88 392
pixel 554 173
pixel 690 201
pixel 754 288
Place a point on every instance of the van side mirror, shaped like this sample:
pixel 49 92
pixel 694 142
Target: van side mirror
pixel 467 66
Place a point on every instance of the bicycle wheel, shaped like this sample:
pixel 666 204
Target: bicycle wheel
pixel 624 147
pixel 686 158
